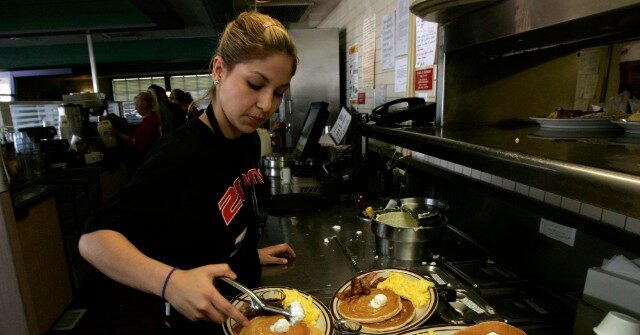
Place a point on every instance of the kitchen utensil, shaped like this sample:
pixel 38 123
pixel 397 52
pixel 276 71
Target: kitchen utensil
pixel 619 324
pixel 406 243
pixel 257 304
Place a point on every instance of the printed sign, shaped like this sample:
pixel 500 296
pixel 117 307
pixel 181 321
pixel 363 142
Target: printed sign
pixel 424 80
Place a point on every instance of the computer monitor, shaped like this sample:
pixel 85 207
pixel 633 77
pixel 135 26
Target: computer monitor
pixel 311 130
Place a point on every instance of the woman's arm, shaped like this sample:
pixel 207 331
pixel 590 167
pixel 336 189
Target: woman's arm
pixel 191 292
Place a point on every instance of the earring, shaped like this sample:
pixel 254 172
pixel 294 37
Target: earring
pixel 216 81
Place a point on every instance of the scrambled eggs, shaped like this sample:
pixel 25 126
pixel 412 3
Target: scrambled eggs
pixel 414 290
pixel 311 312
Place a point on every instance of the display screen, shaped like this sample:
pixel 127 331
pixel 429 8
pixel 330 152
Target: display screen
pixel 311 129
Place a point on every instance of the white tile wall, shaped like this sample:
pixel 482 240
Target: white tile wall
pixel 609 217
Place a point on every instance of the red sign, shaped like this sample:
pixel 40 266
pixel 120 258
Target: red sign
pixel 360 98
pixel 424 80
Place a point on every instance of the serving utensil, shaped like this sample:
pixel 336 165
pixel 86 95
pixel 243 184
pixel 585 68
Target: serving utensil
pixel 256 304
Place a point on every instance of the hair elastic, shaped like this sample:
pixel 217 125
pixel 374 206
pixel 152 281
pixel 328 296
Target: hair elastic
pixel 166 281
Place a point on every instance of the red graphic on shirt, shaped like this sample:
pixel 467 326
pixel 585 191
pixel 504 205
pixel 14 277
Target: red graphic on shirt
pixel 233 199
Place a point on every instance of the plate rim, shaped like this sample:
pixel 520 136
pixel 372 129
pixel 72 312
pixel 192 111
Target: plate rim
pixel 632 127
pixel 324 311
pixel 434 328
pixel 574 123
pixel 411 325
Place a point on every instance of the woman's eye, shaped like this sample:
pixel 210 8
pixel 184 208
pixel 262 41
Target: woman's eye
pixel 278 94
pixel 253 86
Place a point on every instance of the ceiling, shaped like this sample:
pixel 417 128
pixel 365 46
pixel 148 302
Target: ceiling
pixel 46 33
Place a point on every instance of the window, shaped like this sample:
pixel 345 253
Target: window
pixel 34 114
pixel 197 85
pixel 126 89
pixel 6 87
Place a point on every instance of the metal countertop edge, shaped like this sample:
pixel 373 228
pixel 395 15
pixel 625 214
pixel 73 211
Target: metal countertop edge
pixel 610 190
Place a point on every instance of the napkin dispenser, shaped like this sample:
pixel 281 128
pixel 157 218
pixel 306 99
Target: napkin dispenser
pixel 613 286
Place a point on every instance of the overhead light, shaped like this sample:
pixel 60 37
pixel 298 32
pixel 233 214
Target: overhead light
pixel 263 1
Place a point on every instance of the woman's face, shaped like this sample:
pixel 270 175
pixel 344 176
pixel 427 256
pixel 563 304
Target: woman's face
pixel 248 95
pixel 141 107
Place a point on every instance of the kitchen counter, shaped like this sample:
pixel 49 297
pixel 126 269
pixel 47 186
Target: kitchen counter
pixel 599 168
pixel 336 244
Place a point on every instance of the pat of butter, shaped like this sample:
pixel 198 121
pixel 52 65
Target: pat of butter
pixel 281 326
pixel 378 301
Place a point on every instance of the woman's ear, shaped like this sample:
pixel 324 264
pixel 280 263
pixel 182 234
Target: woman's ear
pixel 217 67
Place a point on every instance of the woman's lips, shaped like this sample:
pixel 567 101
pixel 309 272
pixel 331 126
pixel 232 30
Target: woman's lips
pixel 256 120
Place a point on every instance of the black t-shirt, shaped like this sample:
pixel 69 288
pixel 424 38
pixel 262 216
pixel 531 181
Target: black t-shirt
pixel 190 203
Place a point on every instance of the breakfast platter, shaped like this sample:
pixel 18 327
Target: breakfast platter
pixel 322 325
pixel 435 330
pixel 409 315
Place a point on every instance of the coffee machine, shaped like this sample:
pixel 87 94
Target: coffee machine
pixel 81 111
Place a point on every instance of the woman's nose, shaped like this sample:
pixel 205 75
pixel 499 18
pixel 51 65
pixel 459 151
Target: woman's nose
pixel 265 101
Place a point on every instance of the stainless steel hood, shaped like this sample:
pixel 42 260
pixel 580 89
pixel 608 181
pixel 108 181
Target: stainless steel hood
pixel 514 26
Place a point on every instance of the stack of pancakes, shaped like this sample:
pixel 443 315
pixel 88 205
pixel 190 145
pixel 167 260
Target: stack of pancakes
pixel 396 313
pixel 260 326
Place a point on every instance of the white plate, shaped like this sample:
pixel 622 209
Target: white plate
pixel 422 314
pixel 324 322
pixel 575 124
pixel 437 330
pixel 631 127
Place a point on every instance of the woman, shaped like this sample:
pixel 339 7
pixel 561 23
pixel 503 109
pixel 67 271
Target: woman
pixel 171 231
pixel 149 130
pixel 185 101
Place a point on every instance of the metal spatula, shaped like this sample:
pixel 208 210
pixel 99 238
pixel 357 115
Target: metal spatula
pixel 257 304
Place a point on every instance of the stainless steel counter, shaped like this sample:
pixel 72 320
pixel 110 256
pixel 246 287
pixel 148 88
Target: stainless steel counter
pixel 327 257
pixel 601 169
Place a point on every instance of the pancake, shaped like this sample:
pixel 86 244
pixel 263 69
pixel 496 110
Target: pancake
pixel 487 327
pixel 399 320
pixel 260 326
pixel 357 308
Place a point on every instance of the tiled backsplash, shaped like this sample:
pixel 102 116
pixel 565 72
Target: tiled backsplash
pixel 617 220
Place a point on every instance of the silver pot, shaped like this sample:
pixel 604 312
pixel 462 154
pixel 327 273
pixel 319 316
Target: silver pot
pixel 273 164
pixel 405 243
pixel 422 204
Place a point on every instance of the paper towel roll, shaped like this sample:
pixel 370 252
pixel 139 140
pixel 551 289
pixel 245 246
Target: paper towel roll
pixel 265 142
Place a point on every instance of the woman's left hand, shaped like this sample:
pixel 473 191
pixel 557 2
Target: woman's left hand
pixel 276 254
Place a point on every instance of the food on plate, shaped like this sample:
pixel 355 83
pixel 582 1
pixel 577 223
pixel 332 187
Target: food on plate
pixel 304 320
pixel 267 325
pixel 398 219
pixel 634 117
pixel 491 327
pixel 561 113
pixel 403 317
pixel 371 307
pixel 613 115
pixel 415 290
pixel 383 304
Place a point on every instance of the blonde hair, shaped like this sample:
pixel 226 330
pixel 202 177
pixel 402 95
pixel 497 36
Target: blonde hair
pixel 251 36
pixel 149 99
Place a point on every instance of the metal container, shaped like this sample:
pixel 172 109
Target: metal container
pixel 405 243
pixel 277 170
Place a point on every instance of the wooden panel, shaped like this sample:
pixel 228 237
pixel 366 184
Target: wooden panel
pixel 47 276
pixel 12 314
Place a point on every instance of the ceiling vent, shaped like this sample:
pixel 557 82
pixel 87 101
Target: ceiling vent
pixel 285 11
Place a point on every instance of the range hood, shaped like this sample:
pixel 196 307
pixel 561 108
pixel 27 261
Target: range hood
pixel 507 27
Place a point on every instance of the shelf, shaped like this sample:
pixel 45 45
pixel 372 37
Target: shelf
pixel 597 171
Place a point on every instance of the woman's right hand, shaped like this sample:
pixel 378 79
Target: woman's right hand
pixel 193 294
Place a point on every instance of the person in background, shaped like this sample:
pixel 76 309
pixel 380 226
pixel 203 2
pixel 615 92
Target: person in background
pixel 171 232
pixel 177 117
pixel 628 98
pixel 184 100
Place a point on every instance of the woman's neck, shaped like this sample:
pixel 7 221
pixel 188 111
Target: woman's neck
pixel 221 120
